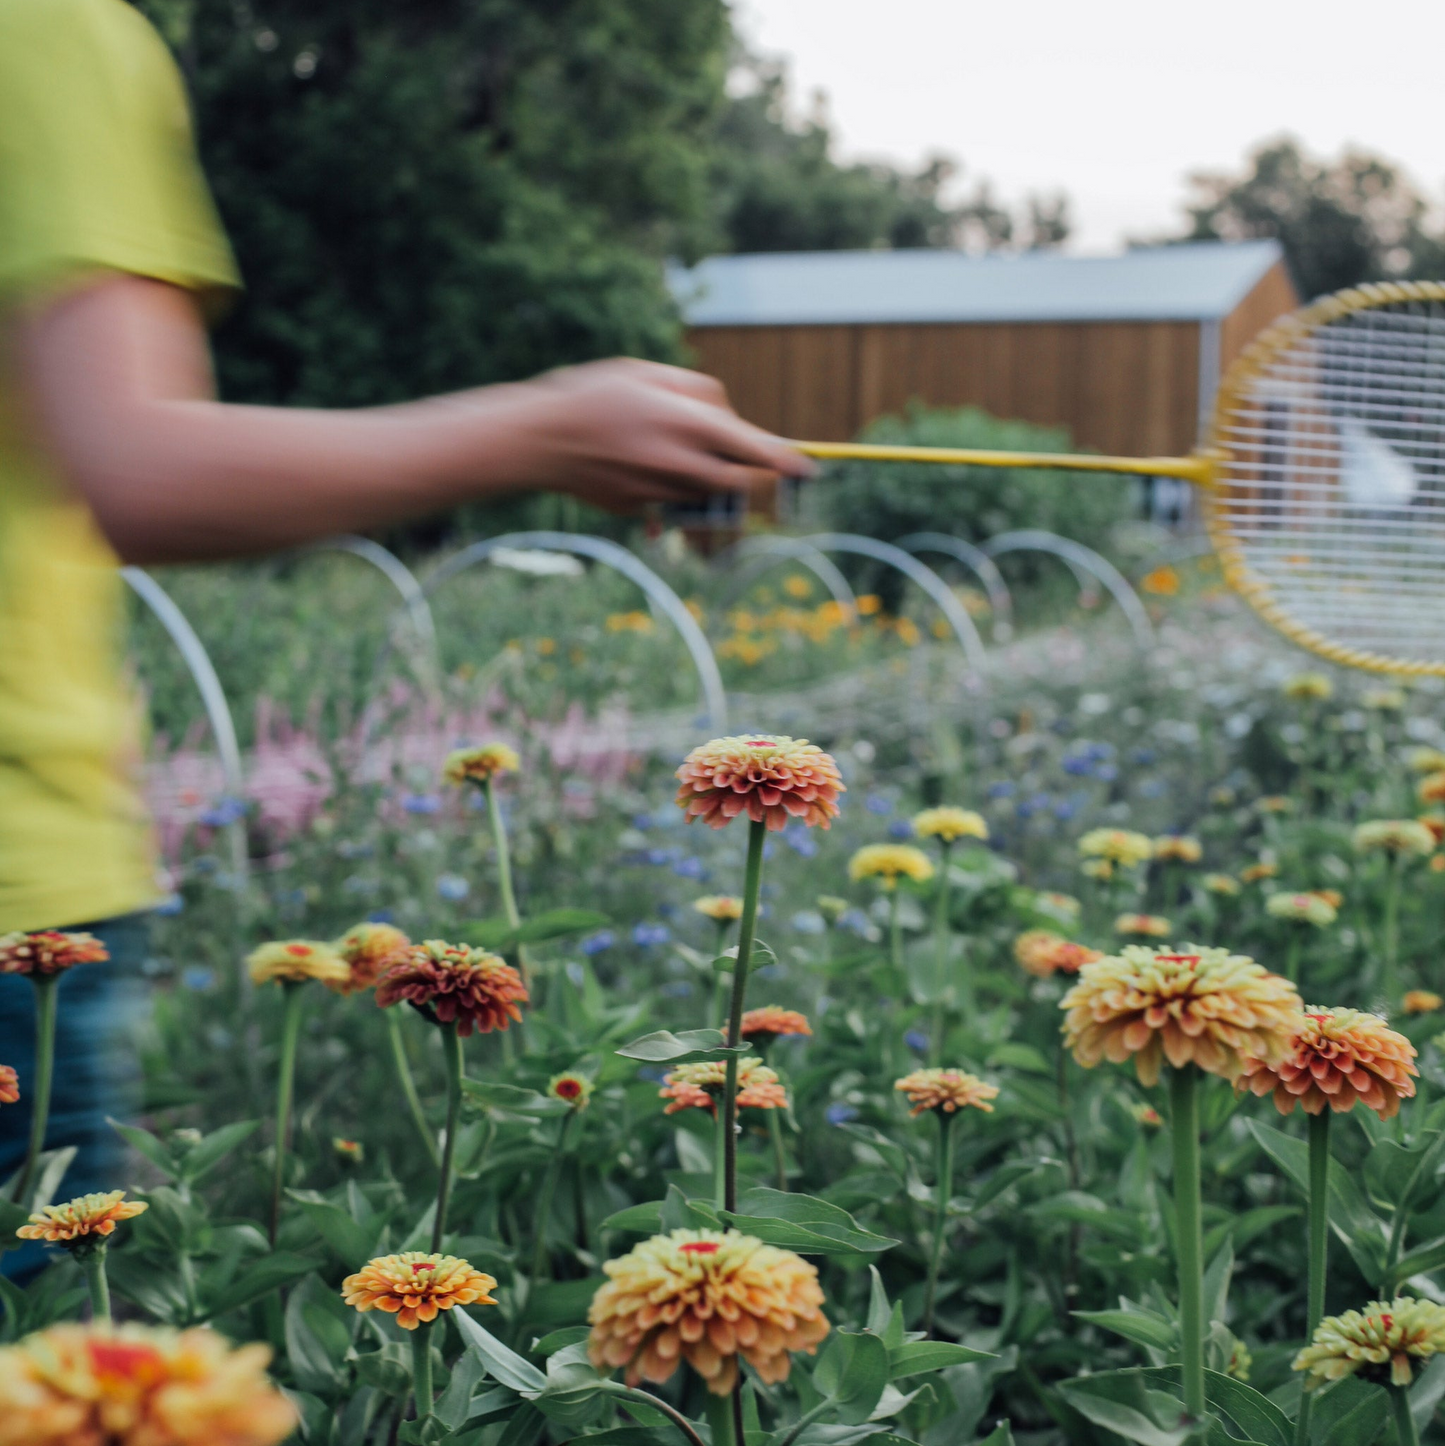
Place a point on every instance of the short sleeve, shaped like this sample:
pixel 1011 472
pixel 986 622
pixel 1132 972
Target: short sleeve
pixel 97 162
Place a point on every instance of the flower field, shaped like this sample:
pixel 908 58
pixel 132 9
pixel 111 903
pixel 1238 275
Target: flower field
pixel 1050 1062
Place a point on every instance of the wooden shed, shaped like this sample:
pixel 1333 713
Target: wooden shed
pixel 1126 351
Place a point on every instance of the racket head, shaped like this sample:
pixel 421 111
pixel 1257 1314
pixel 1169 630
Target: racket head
pixel 1327 505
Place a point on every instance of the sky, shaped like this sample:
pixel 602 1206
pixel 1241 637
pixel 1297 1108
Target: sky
pixel 1115 101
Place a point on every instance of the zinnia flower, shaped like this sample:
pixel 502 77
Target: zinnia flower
pixel 1435 822
pixel 48 951
pixel 1178 848
pixel 1257 873
pixel 1202 1006
pixel 1146 926
pixel 350 1152
pixel 82 1220
pixel 1100 869
pixel 1427 760
pixel 832 908
pixel 1383 698
pixel 946 1091
pixel 767 1023
pixel 700 1086
pixel 9 1086
pixel 296 960
pixel 889 863
pixel 1416 1001
pixel 1061 906
pixel 1431 788
pixel 455 983
pixel 1394 836
pixel 706 1297
pixel 1223 884
pixel 135 1385
pixel 1118 845
pixel 1042 952
pixel 479 765
pixel 1386 1334
pixel 369 951
pixel 1333 897
pixel 1338 1056
pixel 721 908
pixel 571 1088
pixel 949 824
pixel 1301 909
pixel 414 1286
pixel 770 779
pixel 1313 687
pixel 1148 1116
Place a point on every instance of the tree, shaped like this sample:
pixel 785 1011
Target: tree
pixel 1341 222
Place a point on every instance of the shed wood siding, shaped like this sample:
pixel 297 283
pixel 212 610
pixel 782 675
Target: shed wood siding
pixel 1127 387
pixel 1272 296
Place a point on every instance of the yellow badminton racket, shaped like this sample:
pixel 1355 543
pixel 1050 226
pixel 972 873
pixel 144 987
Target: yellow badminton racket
pixel 1323 474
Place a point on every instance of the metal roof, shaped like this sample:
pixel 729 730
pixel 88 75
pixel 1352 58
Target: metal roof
pixel 1200 281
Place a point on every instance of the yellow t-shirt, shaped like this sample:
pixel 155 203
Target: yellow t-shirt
pixel 97 173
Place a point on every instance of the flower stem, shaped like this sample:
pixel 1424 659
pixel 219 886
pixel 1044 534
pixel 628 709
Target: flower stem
pixel 452 1054
pixel 1184 1103
pixel 285 1087
pixel 504 872
pixel 93 1264
pixel 408 1083
pixel 747 931
pixel 719 1158
pixel 540 1259
pixel 45 1005
pixel 1291 958
pixel 1319 1205
pixel 780 1155
pixel 940 954
pixel 1405 1431
pixel 633 1393
pixel 421 1386
pixel 895 930
pixel 1390 932
pixel 940 1219
pixel 720 1421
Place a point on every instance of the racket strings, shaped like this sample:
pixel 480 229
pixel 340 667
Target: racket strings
pixel 1332 499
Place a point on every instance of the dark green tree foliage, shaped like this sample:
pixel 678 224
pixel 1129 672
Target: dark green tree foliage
pixel 1341 222
pixel 448 192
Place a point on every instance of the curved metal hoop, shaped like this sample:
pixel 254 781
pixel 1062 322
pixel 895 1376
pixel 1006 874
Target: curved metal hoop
pixel 213 697
pixel 756 554
pixel 1084 562
pixel 1000 600
pixel 925 577
pixel 619 559
pixel 396 572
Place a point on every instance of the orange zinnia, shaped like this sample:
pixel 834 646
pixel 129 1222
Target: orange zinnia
pixel 453 982
pixel 946 1091
pixel 1337 1057
pixel 480 765
pixel 135 1385
pixel 81 1219
pixel 1041 952
pixel 706 1297
pixel 48 951
pixel 368 950
pixel 293 961
pixel 699 1086
pixel 9 1085
pixel 414 1286
pixel 770 779
pixel 767 1023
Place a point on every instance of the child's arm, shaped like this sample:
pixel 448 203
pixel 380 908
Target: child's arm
pixel 117 377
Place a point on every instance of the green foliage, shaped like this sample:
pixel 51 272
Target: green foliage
pixel 889 500
pixel 1341 222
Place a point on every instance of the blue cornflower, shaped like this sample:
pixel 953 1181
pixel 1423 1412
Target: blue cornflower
pixel 596 943
pixel 452 887
pixel 917 1041
pixel 839 1113
pixel 222 812
pixel 645 935
pixel 421 802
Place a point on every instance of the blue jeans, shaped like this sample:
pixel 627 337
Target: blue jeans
pixel 97 1072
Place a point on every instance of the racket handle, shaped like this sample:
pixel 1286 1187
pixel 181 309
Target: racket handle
pixel 1197 469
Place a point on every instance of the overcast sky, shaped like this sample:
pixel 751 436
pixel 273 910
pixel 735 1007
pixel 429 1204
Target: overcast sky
pixel 1115 101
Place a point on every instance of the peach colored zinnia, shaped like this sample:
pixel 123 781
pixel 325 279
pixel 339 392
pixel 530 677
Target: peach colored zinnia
pixel 9 1086
pixel 720 908
pixel 769 1021
pixel 1199 1006
pixel 135 1385
pixel 415 1286
pixel 1041 952
pixel 707 1297
pixel 368 950
pixel 1416 1001
pixel 1148 926
pixel 84 1218
pixel 480 765
pixel 293 961
pixel 946 1091
pixel 1338 1056
pixel 453 983
pixel 48 952
pixel 769 778
pixel 700 1086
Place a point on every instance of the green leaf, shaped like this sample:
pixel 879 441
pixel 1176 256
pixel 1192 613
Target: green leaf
pixel 214 1148
pixel 12 1217
pixel 557 1340
pixel 1256 1415
pixel 316 1341
pixel 913 1358
pixel 1001 1435
pixel 1350 1412
pixel 852 1372
pixel 1121 1401
pixel 802 1223
pixel 385 1371
pixel 640 1219
pixel 454 1404
pixel 353 1242
pixel 499 933
pixel 1007 1174
pixel 629 1436
pixel 503 1365
pixel 665 1047
pixel 509 1102
pixel 1136 1326
pixel 429 1431
pixel 1013 1055
pixel 267 1274
pixel 1418 1262
pixel 155 1150
pixel 524 1429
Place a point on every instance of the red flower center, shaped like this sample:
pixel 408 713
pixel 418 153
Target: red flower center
pixel 699 1247
pixel 300 951
pixel 123 1361
pixel 420 1265
pixel 1192 960
pixel 760 742
pixel 568 1089
pixel 1387 1320
pixel 1320 1017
